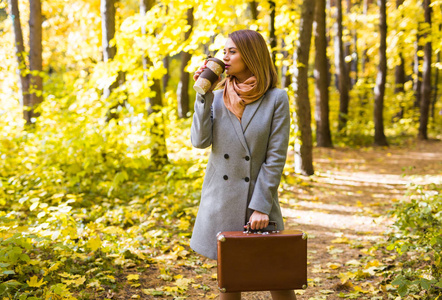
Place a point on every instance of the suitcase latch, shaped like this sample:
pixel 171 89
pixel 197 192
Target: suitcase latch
pixel 221 238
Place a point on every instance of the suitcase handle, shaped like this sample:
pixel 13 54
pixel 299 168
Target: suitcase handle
pixel 247 228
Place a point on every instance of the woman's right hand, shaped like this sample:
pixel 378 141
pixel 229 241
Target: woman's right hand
pixel 198 72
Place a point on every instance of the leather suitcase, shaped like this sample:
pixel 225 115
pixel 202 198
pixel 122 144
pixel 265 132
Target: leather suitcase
pixel 250 261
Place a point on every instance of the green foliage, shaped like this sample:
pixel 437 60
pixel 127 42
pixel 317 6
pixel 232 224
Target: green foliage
pixel 80 200
pixel 418 242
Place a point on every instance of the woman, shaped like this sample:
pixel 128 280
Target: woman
pixel 247 123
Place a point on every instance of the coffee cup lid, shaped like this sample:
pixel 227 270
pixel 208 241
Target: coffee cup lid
pixel 219 62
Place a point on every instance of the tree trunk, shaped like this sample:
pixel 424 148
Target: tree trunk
pixel 350 64
pixel 35 57
pixel 272 36
pixel 417 85
pixel 341 70
pixel 154 104
pixel 400 70
pixel 363 98
pixel 303 130
pixel 426 76
pixel 436 85
pixel 286 78
pixel 253 10
pixel 24 97
pixel 107 34
pixel 379 91
pixel 183 84
pixel 166 76
pixel 323 135
pixel 108 29
pixel 109 51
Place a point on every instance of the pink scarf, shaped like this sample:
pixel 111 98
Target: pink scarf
pixel 237 95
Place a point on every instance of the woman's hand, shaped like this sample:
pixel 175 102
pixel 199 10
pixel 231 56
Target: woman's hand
pixel 258 220
pixel 198 72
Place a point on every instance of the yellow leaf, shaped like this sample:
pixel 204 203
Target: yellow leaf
pixel 353 263
pixel 94 243
pixel 333 266
pixel 34 282
pixel 133 277
pixel 74 279
pixel 183 283
pixel 341 240
pixel 346 277
pixel 54 267
pixel 214 276
pixel 359 289
pixel 211 296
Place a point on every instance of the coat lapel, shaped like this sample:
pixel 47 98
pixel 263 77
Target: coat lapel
pixel 238 129
pixel 249 112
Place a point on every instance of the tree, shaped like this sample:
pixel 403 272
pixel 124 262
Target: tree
pixel 417 85
pixel 272 36
pixel 35 58
pixel 183 85
pixel 303 130
pixel 110 50
pixel 426 74
pixel 154 103
pixel 364 61
pixel 379 91
pixel 253 10
pixel 108 33
pixel 20 55
pixel 341 71
pixel 436 84
pixel 323 134
pixel 351 66
pixel 400 68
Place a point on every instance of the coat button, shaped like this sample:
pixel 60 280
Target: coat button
pixel 226 156
pixel 247 158
pixel 225 177
pixel 247 179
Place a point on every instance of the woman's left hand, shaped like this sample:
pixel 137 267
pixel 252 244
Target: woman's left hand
pixel 258 220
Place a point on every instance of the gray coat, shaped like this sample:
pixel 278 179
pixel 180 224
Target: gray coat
pixel 245 166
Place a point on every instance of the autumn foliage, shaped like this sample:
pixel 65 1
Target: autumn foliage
pixel 83 194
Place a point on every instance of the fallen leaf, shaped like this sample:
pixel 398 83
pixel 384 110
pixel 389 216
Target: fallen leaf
pixel 34 282
pixel 333 266
pixel 133 277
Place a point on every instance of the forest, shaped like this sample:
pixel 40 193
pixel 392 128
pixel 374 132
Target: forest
pixel 100 186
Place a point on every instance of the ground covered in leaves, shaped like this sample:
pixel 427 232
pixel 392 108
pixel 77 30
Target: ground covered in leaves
pixel 343 208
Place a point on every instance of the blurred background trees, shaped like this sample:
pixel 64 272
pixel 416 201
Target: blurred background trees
pixel 130 61
pixel 96 101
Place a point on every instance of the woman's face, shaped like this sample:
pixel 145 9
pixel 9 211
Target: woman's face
pixel 235 66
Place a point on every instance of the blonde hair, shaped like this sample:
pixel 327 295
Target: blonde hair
pixel 256 56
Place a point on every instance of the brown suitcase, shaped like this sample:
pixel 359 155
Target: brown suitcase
pixel 267 261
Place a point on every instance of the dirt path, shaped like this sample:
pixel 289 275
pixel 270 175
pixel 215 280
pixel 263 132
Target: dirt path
pixel 342 208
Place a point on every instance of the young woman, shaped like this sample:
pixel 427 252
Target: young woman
pixel 247 123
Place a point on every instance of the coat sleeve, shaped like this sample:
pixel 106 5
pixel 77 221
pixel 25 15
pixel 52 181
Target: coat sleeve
pixel 201 129
pixel 269 176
